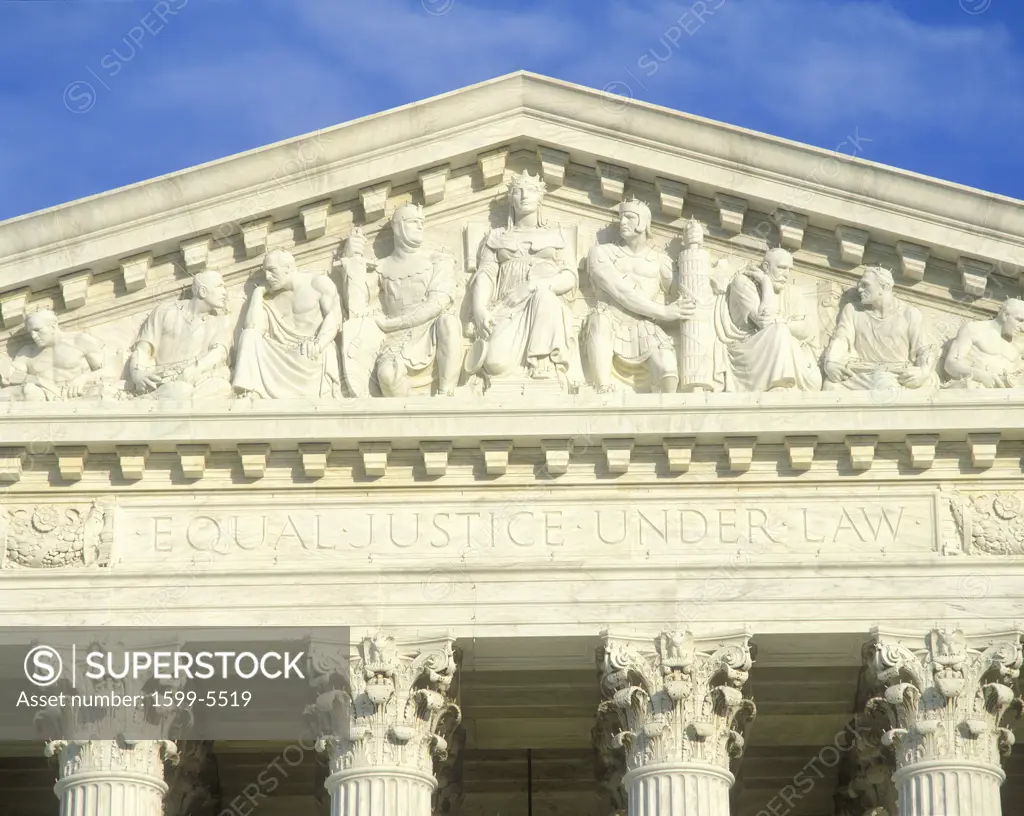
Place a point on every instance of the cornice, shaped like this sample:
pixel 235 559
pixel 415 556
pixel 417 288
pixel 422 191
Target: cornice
pixel 954 438
pixel 769 417
pixel 512 111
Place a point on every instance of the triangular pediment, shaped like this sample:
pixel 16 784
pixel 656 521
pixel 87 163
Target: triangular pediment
pixel 105 262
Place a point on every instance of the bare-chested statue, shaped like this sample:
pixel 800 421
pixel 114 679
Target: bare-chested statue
pixel 287 345
pixel 986 354
pixel 422 345
pixel 182 349
pixel 880 341
pixel 631 280
pixel 57 365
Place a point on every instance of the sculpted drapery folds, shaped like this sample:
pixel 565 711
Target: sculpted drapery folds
pixel 985 354
pixel 631 280
pixel 521 322
pixel 182 348
pixel 287 345
pixel 421 344
pixel 652 325
pixel 762 344
pixel 880 342
pixel 57 365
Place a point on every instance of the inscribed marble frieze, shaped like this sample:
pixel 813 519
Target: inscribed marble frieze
pixel 524 527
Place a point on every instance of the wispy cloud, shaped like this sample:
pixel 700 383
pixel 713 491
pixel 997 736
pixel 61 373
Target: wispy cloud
pixel 936 93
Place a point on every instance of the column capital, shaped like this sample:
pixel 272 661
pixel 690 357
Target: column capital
pixel 865 775
pixel 678 699
pixel 193 781
pixel 609 763
pixel 945 695
pixel 146 757
pixel 389 705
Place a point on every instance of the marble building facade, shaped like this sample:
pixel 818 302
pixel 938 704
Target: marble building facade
pixel 658 466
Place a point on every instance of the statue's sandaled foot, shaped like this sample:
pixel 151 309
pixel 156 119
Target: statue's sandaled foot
pixel 605 389
pixel 446 392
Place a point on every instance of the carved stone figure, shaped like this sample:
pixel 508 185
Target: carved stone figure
pixel 984 353
pixel 522 324
pixel 422 342
pixel 182 348
pixel 57 365
pixel 631 279
pixel 287 345
pixel 763 344
pixel 880 342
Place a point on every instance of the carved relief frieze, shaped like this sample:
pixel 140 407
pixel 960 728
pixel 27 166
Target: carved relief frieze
pixel 990 523
pixel 651 308
pixel 52 536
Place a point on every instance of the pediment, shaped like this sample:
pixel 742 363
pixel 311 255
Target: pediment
pixel 104 263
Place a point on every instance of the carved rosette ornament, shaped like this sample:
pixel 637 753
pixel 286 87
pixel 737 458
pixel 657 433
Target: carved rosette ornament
pixel 683 715
pixel 46 536
pixel 384 718
pixel 990 523
pixel 945 705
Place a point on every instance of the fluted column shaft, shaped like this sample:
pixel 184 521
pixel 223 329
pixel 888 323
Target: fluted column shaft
pixel 678 789
pixel 949 788
pixel 380 792
pixel 104 778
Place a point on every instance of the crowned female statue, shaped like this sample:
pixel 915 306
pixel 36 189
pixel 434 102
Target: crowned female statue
pixel 521 321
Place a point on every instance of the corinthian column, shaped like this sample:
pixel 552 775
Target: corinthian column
pixel 682 712
pixel 111 777
pixel 111 754
pixel 384 718
pixel 945 696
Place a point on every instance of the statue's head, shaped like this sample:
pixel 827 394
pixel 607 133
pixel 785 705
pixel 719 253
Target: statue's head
pixel 408 224
pixel 874 285
pixel 777 264
pixel 1011 318
pixel 525 193
pixel 634 218
pixel 278 267
pixel 42 327
pixel 208 286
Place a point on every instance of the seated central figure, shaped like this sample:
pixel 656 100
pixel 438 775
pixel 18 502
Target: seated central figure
pixel 522 324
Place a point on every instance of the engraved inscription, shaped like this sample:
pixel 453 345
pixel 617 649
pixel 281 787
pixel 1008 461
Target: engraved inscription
pixel 515 529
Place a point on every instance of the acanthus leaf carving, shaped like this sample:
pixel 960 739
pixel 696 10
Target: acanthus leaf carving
pixel 680 701
pixel 947 699
pixel 389 705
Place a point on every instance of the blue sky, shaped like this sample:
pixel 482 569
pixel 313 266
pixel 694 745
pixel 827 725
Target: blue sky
pixel 934 86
